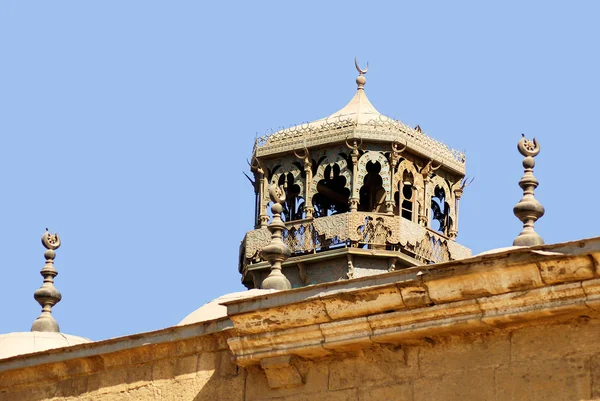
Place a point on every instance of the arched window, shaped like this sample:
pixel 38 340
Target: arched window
pixel 440 210
pixel 293 208
pixel 332 193
pixel 408 196
pixel 372 194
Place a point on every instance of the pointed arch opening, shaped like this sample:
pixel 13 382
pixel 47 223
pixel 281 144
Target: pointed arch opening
pixel 293 207
pixel 372 194
pixel 440 210
pixel 332 193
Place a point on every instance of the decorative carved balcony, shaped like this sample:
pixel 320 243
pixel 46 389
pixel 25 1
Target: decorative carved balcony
pixel 358 230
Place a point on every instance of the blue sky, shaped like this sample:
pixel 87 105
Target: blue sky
pixel 125 126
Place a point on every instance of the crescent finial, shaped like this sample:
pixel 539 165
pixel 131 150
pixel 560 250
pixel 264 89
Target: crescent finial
pixel 361 71
pixel 528 147
pixel 50 241
pixel 277 193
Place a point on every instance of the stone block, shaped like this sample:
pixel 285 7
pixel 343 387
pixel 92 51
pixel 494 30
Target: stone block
pixel 225 365
pixel 287 316
pixel 483 281
pixel 453 354
pixel 163 369
pixel 377 366
pixel 186 367
pixel 315 377
pixel 137 374
pixel 579 337
pixel 352 304
pixel 110 379
pixel 281 372
pixel 557 380
pixel 595 375
pixel 471 385
pixel 415 296
pixel 347 335
pixel 592 292
pixel 396 392
pixel 562 270
pixel 342 395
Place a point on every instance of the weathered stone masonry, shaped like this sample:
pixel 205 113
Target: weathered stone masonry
pixel 515 325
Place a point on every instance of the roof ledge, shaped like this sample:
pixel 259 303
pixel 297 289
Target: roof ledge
pixel 488 292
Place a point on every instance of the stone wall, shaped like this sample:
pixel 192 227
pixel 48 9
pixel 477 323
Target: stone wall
pixel 546 362
pixel 521 324
pixel 193 369
pixel 542 362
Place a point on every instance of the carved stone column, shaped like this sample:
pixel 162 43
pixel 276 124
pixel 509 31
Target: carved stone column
pixel 426 173
pixel 424 212
pixel 308 207
pixel 354 156
pixel 393 160
pixel 259 172
pixel 453 230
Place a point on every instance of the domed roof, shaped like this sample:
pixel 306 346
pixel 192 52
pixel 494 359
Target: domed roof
pixel 358 119
pixel 214 310
pixel 13 344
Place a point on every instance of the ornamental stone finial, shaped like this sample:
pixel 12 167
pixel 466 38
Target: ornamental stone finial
pixel 528 210
pixel 361 80
pixel 277 251
pixel 47 295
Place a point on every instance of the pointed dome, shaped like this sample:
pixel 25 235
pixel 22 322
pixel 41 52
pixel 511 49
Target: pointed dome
pixel 359 110
pixel 358 119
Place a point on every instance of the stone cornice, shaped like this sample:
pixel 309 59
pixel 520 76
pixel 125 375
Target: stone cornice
pixel 487 292
pixel 115 345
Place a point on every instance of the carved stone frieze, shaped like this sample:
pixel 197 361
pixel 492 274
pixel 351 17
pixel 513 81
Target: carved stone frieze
pixel 255 240
pixel 331 226
pixel 410 233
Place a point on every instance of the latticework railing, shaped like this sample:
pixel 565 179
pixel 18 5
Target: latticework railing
pixel 432 249
pixel 353 229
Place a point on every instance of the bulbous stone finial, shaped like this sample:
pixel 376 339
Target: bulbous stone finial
pixel 47 295
pixel 528 210
pixel 277 251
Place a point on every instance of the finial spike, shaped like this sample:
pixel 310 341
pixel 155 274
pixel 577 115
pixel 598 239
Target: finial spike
pixel 47 295
pixel 277 251
pixel 528 210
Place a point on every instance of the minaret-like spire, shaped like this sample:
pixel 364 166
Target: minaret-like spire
pixel 361 80
pixel 47 295
pixel 528 210
pixel 277 251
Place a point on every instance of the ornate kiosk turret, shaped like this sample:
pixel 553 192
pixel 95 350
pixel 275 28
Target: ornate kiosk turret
pixel 364 194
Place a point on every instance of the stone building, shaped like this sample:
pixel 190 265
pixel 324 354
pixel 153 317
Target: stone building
pixel 358 290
